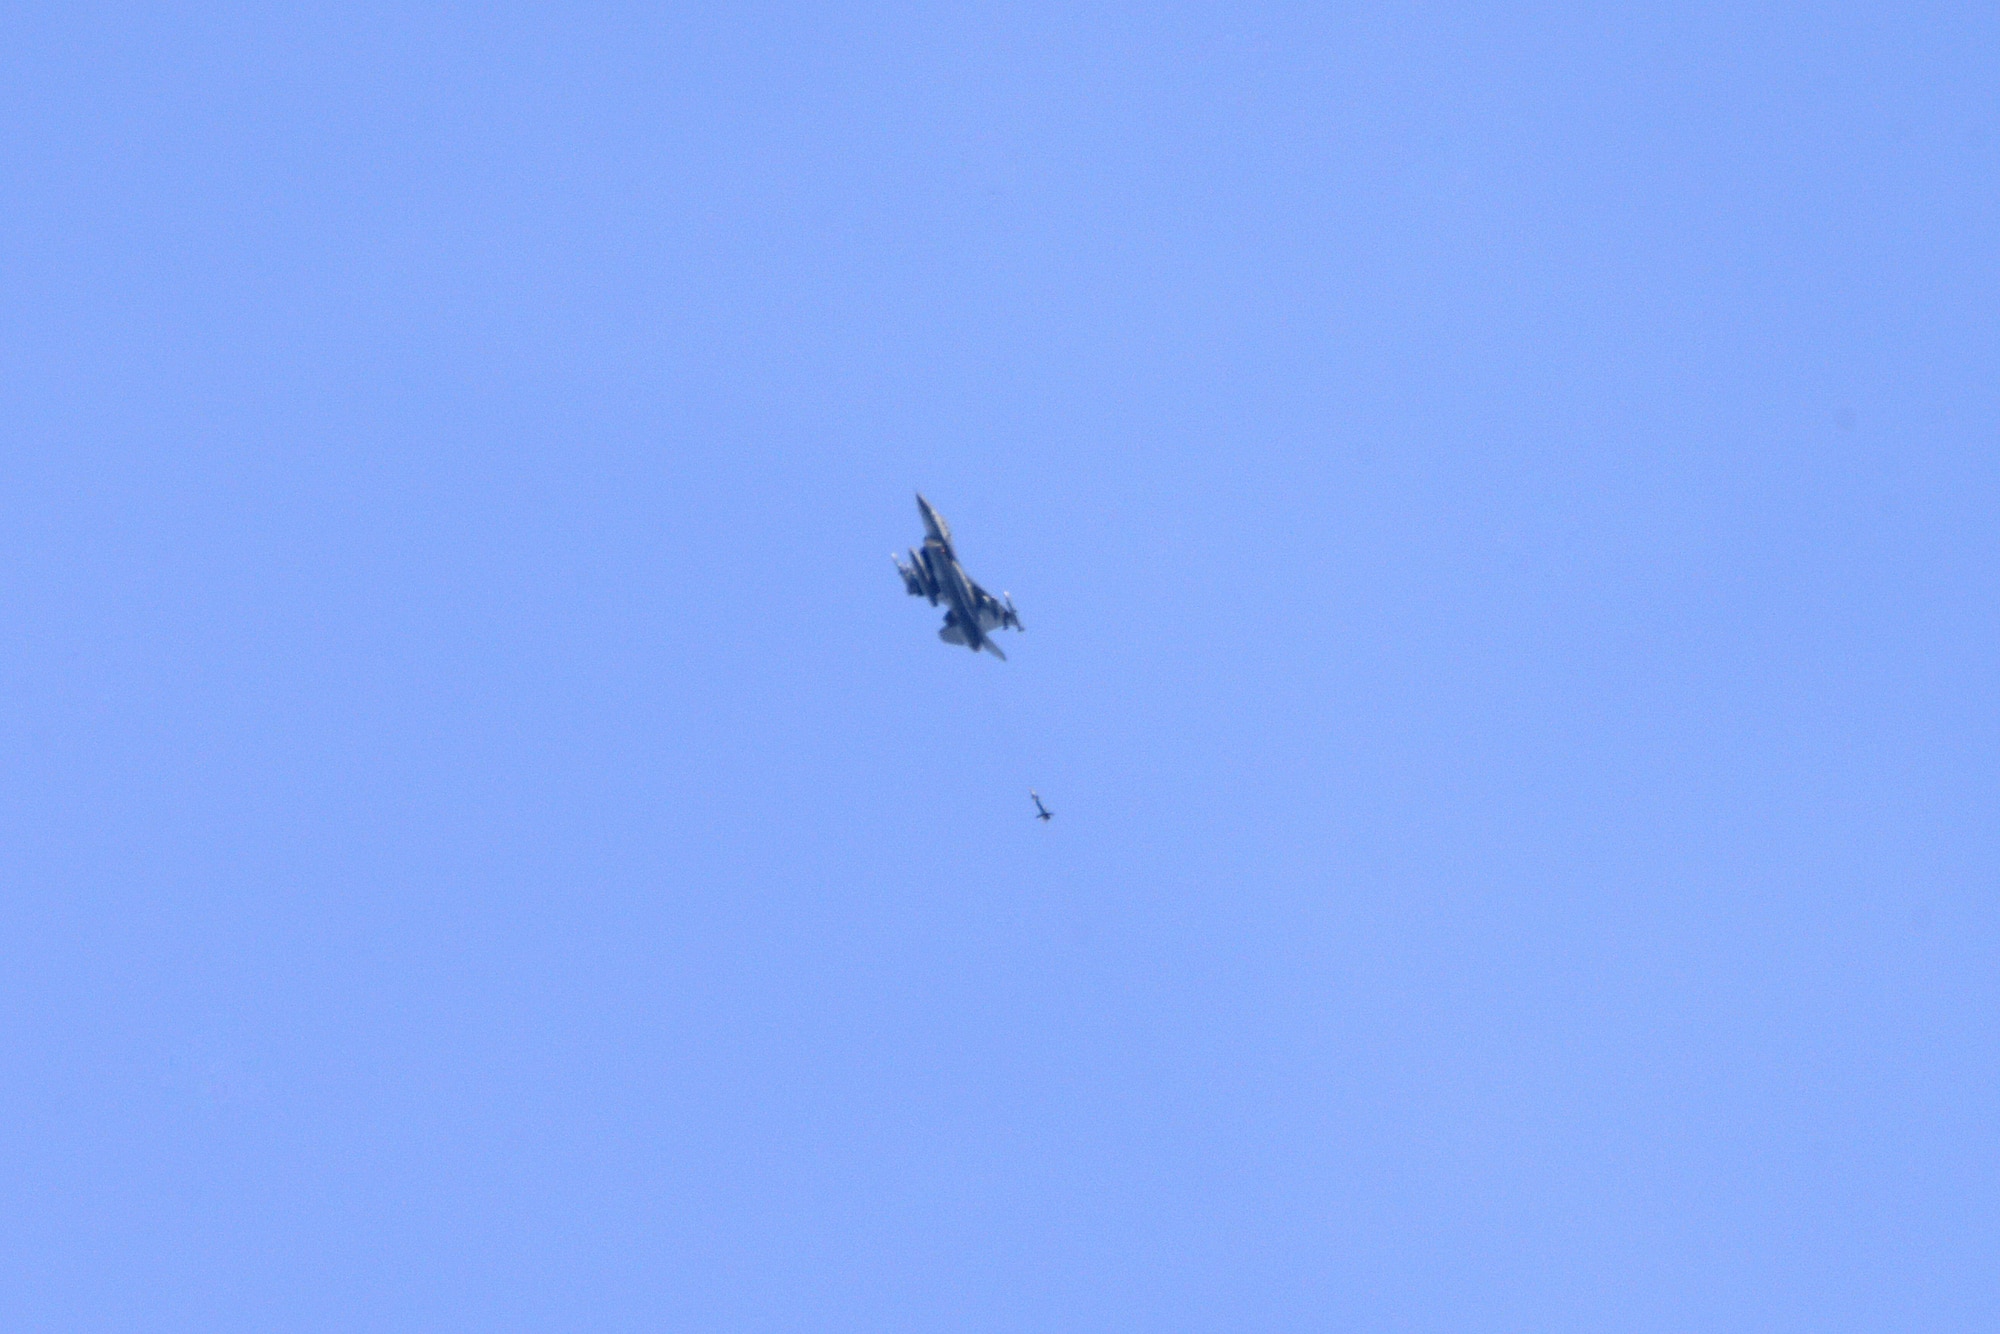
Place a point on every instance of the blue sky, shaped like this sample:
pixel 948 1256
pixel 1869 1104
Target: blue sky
pixel 1502 501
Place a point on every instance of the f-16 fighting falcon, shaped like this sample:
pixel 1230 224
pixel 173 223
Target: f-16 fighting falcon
pixel 934 572
pixel 1042 813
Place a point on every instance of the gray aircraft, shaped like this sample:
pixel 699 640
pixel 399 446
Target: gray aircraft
pixel 934 572
pixel 1042 813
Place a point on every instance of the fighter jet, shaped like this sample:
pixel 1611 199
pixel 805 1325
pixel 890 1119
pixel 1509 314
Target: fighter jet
pixel 1041 812
pixel 934 572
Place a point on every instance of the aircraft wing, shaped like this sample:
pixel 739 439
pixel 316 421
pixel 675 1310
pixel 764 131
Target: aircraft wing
pixel 918 581
pixel 991 611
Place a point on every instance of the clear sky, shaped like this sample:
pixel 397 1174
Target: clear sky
pixel 1502 499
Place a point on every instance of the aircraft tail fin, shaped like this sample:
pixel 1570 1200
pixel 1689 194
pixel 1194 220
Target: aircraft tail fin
pixel 992 648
